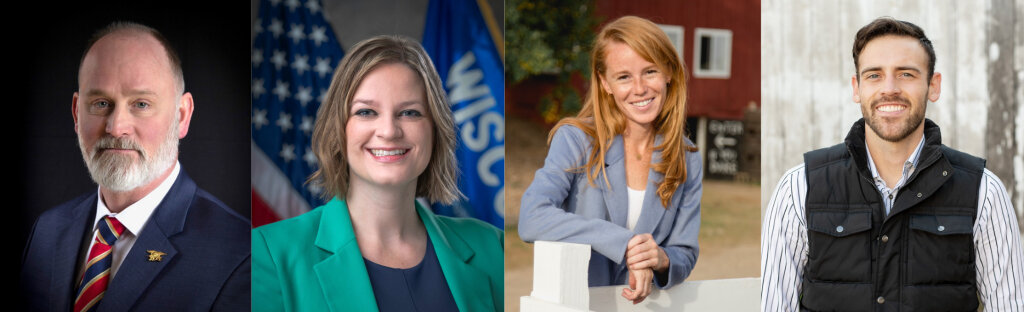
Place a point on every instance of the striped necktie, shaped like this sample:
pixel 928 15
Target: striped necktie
pixel 97 270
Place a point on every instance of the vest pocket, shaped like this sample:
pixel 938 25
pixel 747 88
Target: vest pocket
pixel 839 246
pixel 941 249
pixel 945 297
pixel 851 297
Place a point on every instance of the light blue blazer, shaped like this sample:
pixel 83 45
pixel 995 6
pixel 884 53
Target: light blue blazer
pixel 561 206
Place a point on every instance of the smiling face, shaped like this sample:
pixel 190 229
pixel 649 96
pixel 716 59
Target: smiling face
pixel 389 134
pixel 638 86
pixel 126 112
pixel 894 86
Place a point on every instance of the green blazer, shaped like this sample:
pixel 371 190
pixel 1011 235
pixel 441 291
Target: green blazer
pixel 312 262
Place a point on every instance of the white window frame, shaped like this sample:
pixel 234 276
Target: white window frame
pixel 721 56
pixel 676 34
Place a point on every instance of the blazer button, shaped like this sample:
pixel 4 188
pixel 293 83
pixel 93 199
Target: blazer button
pixel 919 195
pixel 839 229
pixel 942 228
pixel 885 238
pixel 880 299
pixel 944 173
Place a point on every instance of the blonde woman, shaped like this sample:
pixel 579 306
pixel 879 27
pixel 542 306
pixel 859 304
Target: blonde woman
pixel 621 175
pixel 383 136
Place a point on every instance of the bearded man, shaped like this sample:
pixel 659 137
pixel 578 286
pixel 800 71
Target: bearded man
pixel 148 239
pixel 892 219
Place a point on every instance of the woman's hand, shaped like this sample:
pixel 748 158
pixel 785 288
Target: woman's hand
pixel 639 285
pixel 642 252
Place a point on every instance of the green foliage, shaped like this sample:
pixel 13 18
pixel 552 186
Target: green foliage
pixel 549 38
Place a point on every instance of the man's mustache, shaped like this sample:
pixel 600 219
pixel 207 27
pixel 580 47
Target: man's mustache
pixel 109 142
pixel 890 99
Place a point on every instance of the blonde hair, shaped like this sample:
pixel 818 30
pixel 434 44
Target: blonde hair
pixel 438 182
pixel 601 119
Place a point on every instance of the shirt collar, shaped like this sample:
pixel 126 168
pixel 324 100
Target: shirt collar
pixel 134 216
pixel 908 166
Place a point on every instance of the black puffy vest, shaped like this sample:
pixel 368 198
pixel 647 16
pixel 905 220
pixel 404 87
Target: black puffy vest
pixel 918 258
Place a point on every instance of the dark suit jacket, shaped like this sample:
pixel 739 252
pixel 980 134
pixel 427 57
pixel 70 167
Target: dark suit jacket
pixel 206 266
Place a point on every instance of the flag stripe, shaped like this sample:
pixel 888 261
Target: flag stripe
pixel 272 185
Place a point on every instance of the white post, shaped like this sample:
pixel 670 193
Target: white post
pixel 559 278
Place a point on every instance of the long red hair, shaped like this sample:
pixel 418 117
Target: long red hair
pixel 601 119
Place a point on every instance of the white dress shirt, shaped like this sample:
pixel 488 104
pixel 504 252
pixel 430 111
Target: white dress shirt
pixel 133 218
pixel 999 257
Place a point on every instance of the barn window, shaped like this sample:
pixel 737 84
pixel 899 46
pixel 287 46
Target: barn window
pixel 675 34
pixel 712 53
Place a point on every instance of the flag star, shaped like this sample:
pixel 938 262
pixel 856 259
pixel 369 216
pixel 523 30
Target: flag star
pixel 257 57
pixel 276 27
pixel 287 152
pixel 259 118
pixel 257 88
pixel 313 6
pixel 296 33
pixel 284 121
pixel 291 4
pixel 319 35
pixel 322 96
pixel 300 64
pixel 304 95
pixel 315 188
pixel 323 66
pixel 306 126
pixel 278 60
pixel 282 91
pixel 257 27
pixel 310 158
pixel 275 2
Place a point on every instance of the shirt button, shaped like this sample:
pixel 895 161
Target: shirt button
pixel 839 229
pixel 880 299
pixel 942 228
pixel 885 238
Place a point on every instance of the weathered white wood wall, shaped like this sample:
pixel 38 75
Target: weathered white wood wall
pixel 806 67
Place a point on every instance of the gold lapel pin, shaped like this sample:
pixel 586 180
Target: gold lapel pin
pixel 156 256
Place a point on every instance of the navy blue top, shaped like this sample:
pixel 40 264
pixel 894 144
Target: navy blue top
pixel 419 288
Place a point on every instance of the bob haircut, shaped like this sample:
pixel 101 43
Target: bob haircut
pixel 438 182
pixel 601 119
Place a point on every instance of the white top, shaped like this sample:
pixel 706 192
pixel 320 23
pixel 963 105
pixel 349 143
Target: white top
pixel 999 257
pixel 636 203
pixel 133 218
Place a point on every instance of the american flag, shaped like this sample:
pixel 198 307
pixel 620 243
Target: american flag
pixel 293 58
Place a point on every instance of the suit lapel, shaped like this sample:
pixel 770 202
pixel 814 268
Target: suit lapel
pixel 137 272
pixel 652 210
pixel 615 194
pixel 342 275
pixel 453 253
pixel 68 252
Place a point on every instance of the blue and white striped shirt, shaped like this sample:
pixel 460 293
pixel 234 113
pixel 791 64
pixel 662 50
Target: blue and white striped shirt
pixel 997 241
pixel 909 166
